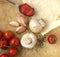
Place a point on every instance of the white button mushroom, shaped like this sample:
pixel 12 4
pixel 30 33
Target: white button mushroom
pixel 28 40
pixel 36 25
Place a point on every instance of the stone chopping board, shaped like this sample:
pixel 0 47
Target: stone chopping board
pixel 9 12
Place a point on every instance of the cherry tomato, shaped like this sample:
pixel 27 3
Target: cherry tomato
pixel 52 39
pixel 13 51
pixel 1 34
pixel 26 9
pixel 4 55
pixel 8 34
pixel 3 43
pixel 15 41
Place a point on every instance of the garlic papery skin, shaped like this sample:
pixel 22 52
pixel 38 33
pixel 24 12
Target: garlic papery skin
pixel 35 26
pixel 42 22
pixel 28 40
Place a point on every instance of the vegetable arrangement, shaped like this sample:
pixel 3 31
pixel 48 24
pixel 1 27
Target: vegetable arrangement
pixel 29 39
pixel 35 25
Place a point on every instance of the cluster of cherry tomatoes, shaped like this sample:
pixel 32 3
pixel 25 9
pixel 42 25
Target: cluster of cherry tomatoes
pixel 9 42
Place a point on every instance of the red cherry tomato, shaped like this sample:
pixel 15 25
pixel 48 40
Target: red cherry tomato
pixel 1 34
pixel 4 55
pixel 52 39
pixel 26 10
pixel 13 51
pixel 8 34
pixel 3 43
pixel 15 41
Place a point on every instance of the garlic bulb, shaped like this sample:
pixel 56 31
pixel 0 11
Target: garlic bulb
pixel 28 40
pixel 36 25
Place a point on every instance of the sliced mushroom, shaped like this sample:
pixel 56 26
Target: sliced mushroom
pixel 28 40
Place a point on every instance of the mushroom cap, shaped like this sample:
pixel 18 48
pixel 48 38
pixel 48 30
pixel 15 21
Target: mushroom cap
pixel 35 26
pixel 28 40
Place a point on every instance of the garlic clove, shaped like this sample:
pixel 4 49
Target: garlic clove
pixel 20 29
pixel 35 26
pixel 22 21
pixel 14 23
pixel 28 40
